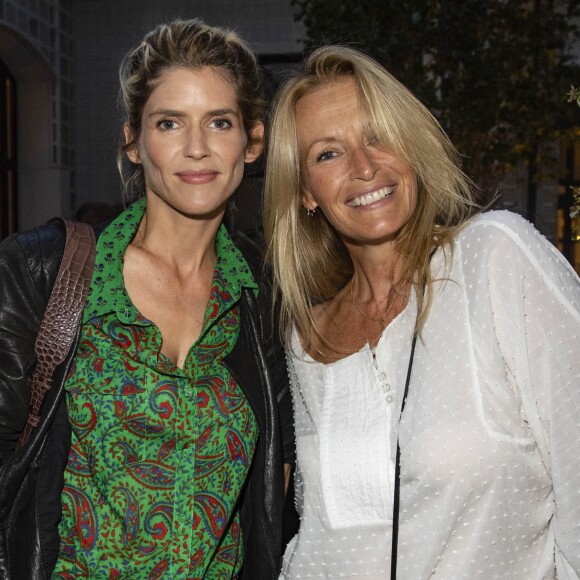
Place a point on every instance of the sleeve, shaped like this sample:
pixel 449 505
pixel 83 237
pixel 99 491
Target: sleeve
pixel 277 367
pixel 535 299
pixel 281 380
pixel 21 310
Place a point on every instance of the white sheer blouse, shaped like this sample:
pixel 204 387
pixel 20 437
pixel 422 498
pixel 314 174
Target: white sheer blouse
pixel 490 435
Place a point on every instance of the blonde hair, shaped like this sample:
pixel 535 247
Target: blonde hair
pixel 189 44
pixel 309 260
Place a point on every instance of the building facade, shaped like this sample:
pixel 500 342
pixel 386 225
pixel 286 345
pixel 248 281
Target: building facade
pixel 36 155
pixel 59 114
pixel 60 121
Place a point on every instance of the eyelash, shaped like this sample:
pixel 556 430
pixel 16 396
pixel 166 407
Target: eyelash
pixel 164 122
pixel 324 156
pixel 225 121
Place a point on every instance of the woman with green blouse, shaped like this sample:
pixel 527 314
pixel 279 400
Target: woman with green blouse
pixel 176 400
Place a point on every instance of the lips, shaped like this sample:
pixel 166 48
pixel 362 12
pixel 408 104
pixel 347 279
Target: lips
pixel 372 197
pixel 197 177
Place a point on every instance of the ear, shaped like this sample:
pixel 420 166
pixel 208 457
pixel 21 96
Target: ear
pixel 132 152
pixel 256 143
pixel 307 200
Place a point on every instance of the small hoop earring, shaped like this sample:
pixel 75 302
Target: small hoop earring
pixel 310 212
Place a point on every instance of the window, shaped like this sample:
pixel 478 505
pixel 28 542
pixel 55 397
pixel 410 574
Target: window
pixel 8 181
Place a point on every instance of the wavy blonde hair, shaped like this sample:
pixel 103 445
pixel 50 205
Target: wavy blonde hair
pixel 310 262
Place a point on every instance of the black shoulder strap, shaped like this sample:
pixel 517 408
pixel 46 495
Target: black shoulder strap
pixel 397 490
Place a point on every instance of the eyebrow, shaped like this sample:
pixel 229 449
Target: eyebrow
pixel 323 140
pixel 175 113
pixel 320 142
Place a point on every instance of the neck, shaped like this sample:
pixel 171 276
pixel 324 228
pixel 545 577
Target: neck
pixel 376 292
pixel 182 242
pixel 375 273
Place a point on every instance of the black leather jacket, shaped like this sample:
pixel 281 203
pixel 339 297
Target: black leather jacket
pixel 28 266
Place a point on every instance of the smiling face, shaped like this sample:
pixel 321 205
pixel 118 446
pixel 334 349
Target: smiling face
pixel 366 193
pixel 192 144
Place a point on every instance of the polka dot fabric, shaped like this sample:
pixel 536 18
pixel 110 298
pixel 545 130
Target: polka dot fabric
pixel 490 435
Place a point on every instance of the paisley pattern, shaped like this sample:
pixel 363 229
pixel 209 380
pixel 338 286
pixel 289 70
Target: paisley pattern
pixel 159 454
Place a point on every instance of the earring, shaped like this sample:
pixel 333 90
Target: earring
pixel 310 212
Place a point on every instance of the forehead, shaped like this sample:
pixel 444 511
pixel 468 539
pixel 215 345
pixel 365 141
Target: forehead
pixel 329 98
pixel 328 112
pixel 205 86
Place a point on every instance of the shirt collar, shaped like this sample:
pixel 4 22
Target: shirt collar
pixel 107 291
pixel 232 266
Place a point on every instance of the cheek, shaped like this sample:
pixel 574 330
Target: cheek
pixel 235 173
pixel 319 186
pixel 151 154
pixel 238 169
pixel 233 154
pixel 237 155
pixel 151 167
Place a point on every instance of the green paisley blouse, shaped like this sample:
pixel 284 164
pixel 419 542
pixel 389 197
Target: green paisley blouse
pixel 159 454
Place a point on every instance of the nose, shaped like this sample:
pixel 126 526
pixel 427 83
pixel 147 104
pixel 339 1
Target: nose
pixel 364 165
pixel 196 145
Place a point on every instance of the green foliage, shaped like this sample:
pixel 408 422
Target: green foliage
pixel 492 72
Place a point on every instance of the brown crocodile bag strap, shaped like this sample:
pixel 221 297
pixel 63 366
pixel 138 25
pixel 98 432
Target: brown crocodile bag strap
pixel 62 316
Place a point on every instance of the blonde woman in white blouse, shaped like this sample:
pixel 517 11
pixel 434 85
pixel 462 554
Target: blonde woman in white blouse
pixel 372 237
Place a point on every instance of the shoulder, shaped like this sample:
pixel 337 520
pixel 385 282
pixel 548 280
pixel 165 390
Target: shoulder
pixel 504 235
pixel 253 254
pixel 46 241
pixel 34 254
pixel 250 249
pixel 501 244
pixel 498 225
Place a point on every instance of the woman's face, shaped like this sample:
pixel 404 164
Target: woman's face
pixel 366 193
pixel 192 144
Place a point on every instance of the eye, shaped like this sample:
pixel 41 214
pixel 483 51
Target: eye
pixel 221 123
pixel 167 124
pixel 325 155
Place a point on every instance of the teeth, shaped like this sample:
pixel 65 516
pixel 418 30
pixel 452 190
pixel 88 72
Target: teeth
pixel 370 197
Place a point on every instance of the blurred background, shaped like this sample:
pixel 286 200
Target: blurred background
pixel 501 76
